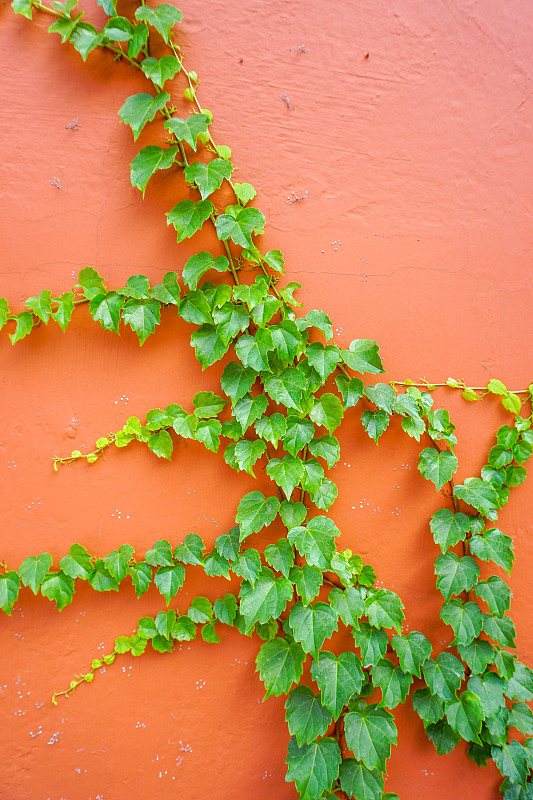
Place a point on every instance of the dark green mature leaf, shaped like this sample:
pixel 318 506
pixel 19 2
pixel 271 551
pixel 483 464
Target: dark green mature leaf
pixel 363 356
pixel 323 359
pixel 169 579
pixel 384 609
pixel 306 716
pixel 443 737
pixel 247 452
pixel 444 675
pixel 455 574
pixel 372 643
pixel 479 494
pixel 34 569
pixel 448 528
pixel 248 409
pixel 279 664
pixel 466 620
pixel 163 17
pixel 252 351
pixel 493 545
pixel 216 566
pixel 9 591
pixel 307 580
pixel 313 767
pixel 236 381
pixel 255 512
pixel 238 224
pixel 349 604
pixel 315 541
pixel 190 552
pixel 512 761
pixel 520 685
pixel 149 160
pixel 412 649
pixel 437 466
pixel 208 177
pixel 160 70
pixel 477 655
pixel 312 624
pixel 59 587
pixel 489 688
pixel 495 593
pixel 465 714
pixel 521 718
pixel 208 345
pixel 287 388
pixel 140 109
pixel 248 565
pixel 299 433
pixel 501 629
pixel 375 423
pixel 360 782
pixel 187 217
pixel 327 411
pixel 370 732
pixel 339 678
pixel 280 556
pixel 393 682
pixel 515 791
pixel 117 562
pixel 428 706
pixel 267 598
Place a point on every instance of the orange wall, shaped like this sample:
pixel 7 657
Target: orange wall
pixel 415 230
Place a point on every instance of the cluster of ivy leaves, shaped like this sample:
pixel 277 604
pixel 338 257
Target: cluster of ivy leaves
pixel 285 390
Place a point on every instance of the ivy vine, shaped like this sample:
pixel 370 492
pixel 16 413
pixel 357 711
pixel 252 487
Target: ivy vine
pixel 284 393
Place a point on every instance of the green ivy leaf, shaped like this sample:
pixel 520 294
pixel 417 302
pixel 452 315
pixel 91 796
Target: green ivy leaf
pixel 489 688
pixel 428 706
pixel 208 177
pixel 59 587
pixel 200 610
pixel 313 767
pixel 244 192
pixel 160 70
pixel 512 761
pixel 101 579
pixel 520 685
pixel 306 717
pixel 363 356
pixel 78 563
pixel 161 444
pixel 267 598
pixel 169 579
pixel 64 26
pixel 495 593
pixel 393 682
pixel 495 546
pixel 163 17
pixel 349 604
pixel 449 529
pixel 521 718
pixel 188 130
pixel 299 433
pixel 141 577
pixel 187 217
pixel 117 562
pixel 382 395
pixel 63 312
pixel 228 544
pixel 384 609
pixel 444 675
pixel 9 591
pixel 199 264
pixel 412 650
pixel 359 781
pixel 105 309
pixel 24 324
pixel 372 643
pixel 437 466
pixel 455 575
pixel 315 541
pixel 190 552
pixel 238 224
pixel 41 305
pixel 287 388
pixel 465 619
pixel 149 160
pixel 465 714
pixel 209 346
pixel 477 655
pixel 307 580
pixel 33 570
pixel 375 423
pixel 500 629
pixel 323 359
pixel 248 409
pixel 208 432
pixel 225 609
pixel 287 472
pixel 248 565
pixel 370 732
pixel 280 556
pixel 279 664
pixel 479 494
pixel 443 737
pixel 339 678
pixel 160 555
pixel 140 109
pixel 273 258
pixel 312 624
pixel 23 7
pixel 327 411
pixel 255 512
pixel 236 380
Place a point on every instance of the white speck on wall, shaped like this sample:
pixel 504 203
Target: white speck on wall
pixel 54 738
pixel 37 732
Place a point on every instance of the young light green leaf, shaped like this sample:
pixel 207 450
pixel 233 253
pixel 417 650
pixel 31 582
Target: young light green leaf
pixel 267 598
pixel 244 192
pixel 188 130
pixel 149 160
pixel 187 217
pixel 160 70
pixel 437 466
pixel 59 587
pixel 33 570
pixel 315 541
pixel 363 356
pixel 41 305
pixel 255 512
pixel 24 324
pixel 287 388
pixel 375 423
pixel 274 260
pixel 163 17
pixel 65 307
pixel 448 528
pixel 9 591
pixel 384 609
pixel 208 177
pixel 140 109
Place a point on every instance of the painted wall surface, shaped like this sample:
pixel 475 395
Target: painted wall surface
pixel 409 133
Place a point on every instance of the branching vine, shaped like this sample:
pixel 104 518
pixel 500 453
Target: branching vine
pixel 282 397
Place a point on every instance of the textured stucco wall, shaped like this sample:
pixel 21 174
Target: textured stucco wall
pixel 411 135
